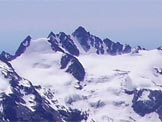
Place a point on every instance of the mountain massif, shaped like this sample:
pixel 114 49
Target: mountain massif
pixel 80 78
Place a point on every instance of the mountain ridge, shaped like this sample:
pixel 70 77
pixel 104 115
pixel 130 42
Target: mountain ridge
pixel 67 43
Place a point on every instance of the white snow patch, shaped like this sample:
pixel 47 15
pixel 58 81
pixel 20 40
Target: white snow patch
pixel 4 87
pixel 4 83
pixel 26 43
pixel 144 96
pixel 29 101
pixel 25 83
pixel 78 45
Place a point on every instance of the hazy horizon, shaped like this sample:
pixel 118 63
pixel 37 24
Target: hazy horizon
pixel 132 22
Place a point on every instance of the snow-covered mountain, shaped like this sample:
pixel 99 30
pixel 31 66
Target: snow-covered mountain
pixel 80 77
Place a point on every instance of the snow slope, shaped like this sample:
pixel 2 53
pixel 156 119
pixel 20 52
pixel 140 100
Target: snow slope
pixel 4 87
pixel 41 61
pixel 103 89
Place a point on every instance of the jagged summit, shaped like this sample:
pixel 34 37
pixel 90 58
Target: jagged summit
pixel 81 32
pixel 91 43
pixel 82 37
pixel 23 46
pixel 51 34
pixel 82 42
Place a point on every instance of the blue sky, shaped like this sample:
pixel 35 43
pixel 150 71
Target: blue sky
pixel 136 22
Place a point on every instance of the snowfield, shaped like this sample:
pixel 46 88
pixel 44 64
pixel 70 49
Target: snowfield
pixel 103 89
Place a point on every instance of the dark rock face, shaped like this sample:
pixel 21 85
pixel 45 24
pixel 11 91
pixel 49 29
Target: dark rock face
pixel 116 48
pixel 97 43
pixel 159 71
pixel 51 35
pixel 113 48
pixel 75 67
pixel 54 45
pixel 159 48
pixel 65 41
pixel 145 106
pixel 127 49
pixel 17 112
pixel 82 35
pixel 23 46
pixel 6 56
pixel 137 49
pixel 16 109
pixel 88 41
pixel 68 44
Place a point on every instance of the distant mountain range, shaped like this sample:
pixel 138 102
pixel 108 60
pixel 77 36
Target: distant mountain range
pixel 80 78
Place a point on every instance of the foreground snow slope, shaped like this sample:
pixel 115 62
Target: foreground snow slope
pixel 21 101
pixel 103 91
